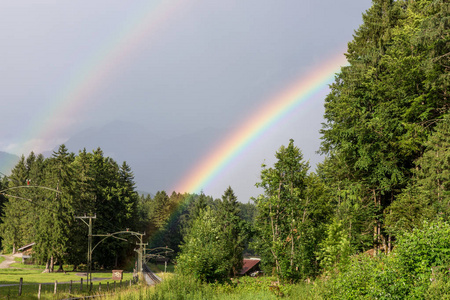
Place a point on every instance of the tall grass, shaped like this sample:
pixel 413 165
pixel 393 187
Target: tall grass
pixel 184 287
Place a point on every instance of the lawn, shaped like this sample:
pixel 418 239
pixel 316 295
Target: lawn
pixel 66 290
pixel 32 275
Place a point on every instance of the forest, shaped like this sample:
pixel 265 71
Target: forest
pixel 371 221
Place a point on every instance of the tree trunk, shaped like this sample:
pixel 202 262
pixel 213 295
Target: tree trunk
pixel 52 265
pixel 47 267
pixel 61 268
pixel 389 249
pixel 376 227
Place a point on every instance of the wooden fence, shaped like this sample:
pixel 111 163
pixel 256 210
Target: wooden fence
pixel 70 288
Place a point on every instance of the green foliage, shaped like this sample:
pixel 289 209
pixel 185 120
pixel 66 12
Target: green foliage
pixel 428 196
pixel 291 213
pixel 205 254
pixel 417 269
pixel 422 249
pixel 46 195
pixel 236 230
pixel 349 201
pixel 335 249
pixel 53 225
pixel 407 212
pixel 381 110
pixel 433 169
pixel 214 240
pixel 171 233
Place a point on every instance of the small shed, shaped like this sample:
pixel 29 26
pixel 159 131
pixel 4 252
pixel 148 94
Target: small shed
pixel 27 252
pixel 250 266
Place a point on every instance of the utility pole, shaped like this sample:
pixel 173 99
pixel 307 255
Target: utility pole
pixel 89 256
pixel 140 252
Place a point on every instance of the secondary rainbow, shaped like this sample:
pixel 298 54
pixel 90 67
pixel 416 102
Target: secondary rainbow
pixel 276 108
pixel 93 74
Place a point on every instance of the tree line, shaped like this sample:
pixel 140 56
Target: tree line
pixel 386 140
pixel 46 194
pixel 42 197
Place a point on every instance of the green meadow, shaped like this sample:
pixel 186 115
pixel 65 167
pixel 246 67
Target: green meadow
pixel 68 283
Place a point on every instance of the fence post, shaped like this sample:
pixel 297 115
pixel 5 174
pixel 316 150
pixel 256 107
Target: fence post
pixel 90 289
pixel 130 282
pixel 99 287
pixel 114 285
pixel 81 285
pixel 20 286
pixel 39 290
pixel 70 287
pixel 107 286
pixel 56 286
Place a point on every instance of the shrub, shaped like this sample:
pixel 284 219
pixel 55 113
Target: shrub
pixel 205 254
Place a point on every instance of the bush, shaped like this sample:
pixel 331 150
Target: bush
pixel 417 269
pixel 205 254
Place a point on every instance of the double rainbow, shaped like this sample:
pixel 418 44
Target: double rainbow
pixel 96 72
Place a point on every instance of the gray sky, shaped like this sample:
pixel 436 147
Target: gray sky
pixel 173 67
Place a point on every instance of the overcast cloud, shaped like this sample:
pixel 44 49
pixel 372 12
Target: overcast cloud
pixel 204 64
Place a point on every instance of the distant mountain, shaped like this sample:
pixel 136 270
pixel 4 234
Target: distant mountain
pixel 7 162
pixel 155 161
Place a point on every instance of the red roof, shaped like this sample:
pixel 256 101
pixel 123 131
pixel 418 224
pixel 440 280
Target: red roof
pixel 248 265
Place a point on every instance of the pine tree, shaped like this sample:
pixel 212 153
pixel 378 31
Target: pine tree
pixel 433 172
pixel 428 196
pixel 55 221
pixel 384 105
pixel 13 232
pixel 234 227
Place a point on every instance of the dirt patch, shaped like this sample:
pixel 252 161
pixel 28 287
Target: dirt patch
pixel 9 259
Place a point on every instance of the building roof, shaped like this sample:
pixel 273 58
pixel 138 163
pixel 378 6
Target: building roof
pixel 248 264
pixel 26 247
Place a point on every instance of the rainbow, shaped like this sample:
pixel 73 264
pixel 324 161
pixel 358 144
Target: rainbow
pixel 267 116
pixel 74 98
pixel 94 74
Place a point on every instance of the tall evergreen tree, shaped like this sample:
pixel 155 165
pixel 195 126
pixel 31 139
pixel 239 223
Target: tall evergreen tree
pixel 13 231
pixel 54 222
pixel 384 105
pixel 234 227
pixel 3 199
pixel 428 196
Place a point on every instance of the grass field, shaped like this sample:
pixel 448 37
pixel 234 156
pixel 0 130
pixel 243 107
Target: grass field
pixel 172 287
pixel 32 276
pixel 66 290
